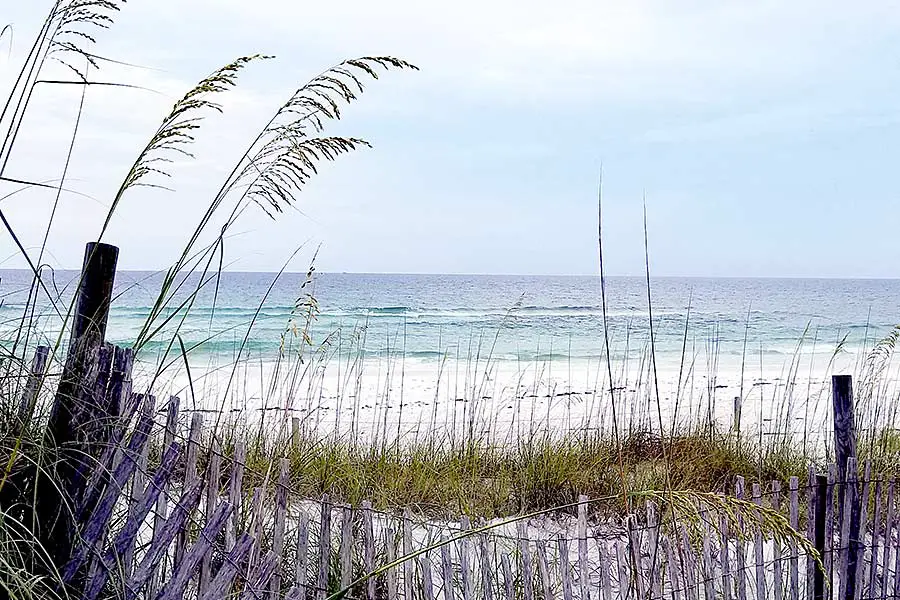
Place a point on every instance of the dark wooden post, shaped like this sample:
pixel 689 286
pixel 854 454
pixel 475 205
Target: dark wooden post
pixel 844 450
pixel 821 499
pixel 844 432
pixel 78 407
pixel 88 333
pixel 844 426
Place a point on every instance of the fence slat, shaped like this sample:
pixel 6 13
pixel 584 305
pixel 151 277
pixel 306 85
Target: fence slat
pixel 888 533
pixel 811 565
pixel 174 588
pixel 281 499
pixel 138 485
pixel 464 564
pixel 235 492
pixel 220 585
pixel 672 570
pixel 525 558
pixel 845 555
pixel 346 548
pixel 830 516
pixel 427 583
pixel 447 571
pixel 390 552
pixel 508 582
pixel 709 574
pixel 324 548
pixel 409 566
pixel 487 580
pixel 740 550
pixel 190 476
pixel 565 568
pixel 300 569
pixel 583 576
pixel 777 565
pixel 212 495
pixel 162 505
pixel 99 476
pixel 544 569
pixel 820 501
pixel 368 548
pixel 258 581
pixel 725 544
pixel 863 525
pixel 876 526
pixel 794 561
pixel 625 582
pixel 689 565
pixel 760 561
pixel 896 588
pixel 634 546
pixel 255 527
pixel 605 583
pixel 653 549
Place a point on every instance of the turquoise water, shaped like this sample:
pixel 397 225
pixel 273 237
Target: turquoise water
pixel 508 317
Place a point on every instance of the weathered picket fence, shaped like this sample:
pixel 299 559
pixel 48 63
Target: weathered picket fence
pixel 177 530
pixel 150 505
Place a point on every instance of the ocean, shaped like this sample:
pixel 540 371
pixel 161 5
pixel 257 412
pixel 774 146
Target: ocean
pixel 725 336
pixel 547 317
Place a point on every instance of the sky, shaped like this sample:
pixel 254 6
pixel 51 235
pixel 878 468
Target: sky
pixel 763 136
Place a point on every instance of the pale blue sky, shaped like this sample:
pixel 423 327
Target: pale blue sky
pixel 766 135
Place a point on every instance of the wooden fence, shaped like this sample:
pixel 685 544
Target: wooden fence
pixel 190 526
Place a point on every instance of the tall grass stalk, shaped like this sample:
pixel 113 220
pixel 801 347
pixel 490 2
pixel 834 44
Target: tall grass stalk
pixel 269 176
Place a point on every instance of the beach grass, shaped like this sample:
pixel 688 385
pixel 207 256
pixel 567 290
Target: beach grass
pixel 482 479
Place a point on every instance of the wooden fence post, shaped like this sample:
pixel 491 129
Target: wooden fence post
pixel 74 405
pixel 848 489
pixel 88 333
pixel 844 427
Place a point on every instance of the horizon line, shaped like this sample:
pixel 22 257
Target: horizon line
pixel 482 274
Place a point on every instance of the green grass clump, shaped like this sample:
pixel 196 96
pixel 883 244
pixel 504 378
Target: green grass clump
pixel 496 480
